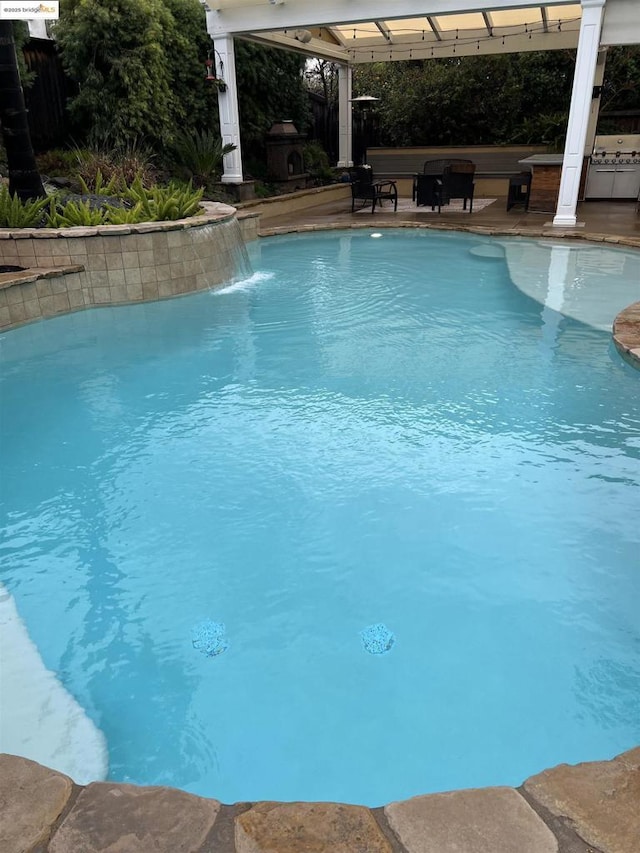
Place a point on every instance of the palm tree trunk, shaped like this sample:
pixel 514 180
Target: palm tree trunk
pixel 24 178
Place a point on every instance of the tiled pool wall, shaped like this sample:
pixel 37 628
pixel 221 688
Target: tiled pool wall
pixel 74 268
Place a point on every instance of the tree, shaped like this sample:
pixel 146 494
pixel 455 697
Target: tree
pixel 467 100
pixel 186 46
pixel 322 78
pixel 270 88
pixel 24 178
pixel 139 65
pixel 621 85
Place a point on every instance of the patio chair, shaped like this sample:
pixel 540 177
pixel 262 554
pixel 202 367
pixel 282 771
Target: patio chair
pixel 457 182
pixel 430 167
pixel 364 189
pixel 428 191
pixel 519 190
pixel 435 167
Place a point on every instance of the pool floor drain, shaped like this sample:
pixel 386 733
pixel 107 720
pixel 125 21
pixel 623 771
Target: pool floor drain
pixel 209 638
pixel 377 639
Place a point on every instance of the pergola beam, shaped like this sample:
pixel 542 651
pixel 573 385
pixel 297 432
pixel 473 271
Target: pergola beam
pixel 384 29
pixel 238 19
pixel 335 34
pixel 434 27
pixel 545 19
pixel 315 47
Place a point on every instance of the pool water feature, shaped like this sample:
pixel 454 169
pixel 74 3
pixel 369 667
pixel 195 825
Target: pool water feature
pixel 363 434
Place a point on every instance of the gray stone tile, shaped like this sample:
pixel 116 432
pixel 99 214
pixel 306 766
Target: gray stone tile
pixel 488 820
pixel 32 798
pixel 110 818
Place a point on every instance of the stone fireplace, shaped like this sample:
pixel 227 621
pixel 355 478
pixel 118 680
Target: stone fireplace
pixel 285 154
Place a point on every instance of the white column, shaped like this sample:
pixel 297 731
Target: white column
pixel 595 101
pixel 225 65
pixel 584 75
pixel 345 120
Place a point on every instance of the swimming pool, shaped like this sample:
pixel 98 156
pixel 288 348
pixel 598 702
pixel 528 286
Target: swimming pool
pixel 208 501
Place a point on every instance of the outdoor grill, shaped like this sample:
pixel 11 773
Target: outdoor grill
pixel 614 167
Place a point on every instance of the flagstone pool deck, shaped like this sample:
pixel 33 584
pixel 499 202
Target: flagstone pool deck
pixel 586 808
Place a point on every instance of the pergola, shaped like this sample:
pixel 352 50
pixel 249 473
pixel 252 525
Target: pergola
pixel 349 32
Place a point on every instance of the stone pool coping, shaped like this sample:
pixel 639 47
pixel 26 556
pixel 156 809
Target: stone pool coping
pixel 548 233
pixel 626 336
pixel 583 808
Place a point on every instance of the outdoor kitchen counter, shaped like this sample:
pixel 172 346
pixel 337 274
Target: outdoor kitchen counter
pixel 546 170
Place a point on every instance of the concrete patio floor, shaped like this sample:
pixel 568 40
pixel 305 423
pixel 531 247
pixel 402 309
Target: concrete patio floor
pixel 610 220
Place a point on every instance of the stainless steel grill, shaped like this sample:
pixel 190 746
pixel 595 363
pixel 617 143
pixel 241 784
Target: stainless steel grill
pixel 614 168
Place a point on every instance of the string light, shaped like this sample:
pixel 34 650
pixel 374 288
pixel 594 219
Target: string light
pixel 449 45
pixel 491 31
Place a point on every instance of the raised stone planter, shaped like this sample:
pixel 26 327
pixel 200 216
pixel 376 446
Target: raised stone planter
pixel 73 268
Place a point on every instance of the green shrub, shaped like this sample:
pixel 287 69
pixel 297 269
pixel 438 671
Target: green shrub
pixel 99 187
pixel 118 164
pixel 57 163
pixel 18 214
pixel 74 213
pixel 165 203
pixel 201 152
pixel 316 162
pixel 124 215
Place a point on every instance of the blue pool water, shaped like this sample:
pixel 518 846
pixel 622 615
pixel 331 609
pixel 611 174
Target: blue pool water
pixel 216 506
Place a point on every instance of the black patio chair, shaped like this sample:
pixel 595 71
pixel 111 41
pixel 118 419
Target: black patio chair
pixel 519 190
pixel 435 167
pixel 430 167
pixel 364 189
pixel 457 182
pixel 428 191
